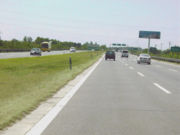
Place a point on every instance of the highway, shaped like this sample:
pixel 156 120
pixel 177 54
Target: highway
pixel 27 54
pixel 123 98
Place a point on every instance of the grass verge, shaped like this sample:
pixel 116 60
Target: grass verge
pixel 26 82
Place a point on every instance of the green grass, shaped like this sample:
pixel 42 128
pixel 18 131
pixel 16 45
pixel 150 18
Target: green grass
pixel 26 82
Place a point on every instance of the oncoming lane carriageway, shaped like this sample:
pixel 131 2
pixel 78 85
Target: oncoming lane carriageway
pixel 27 54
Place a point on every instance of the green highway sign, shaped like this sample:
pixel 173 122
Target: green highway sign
pixel 175 49
pixel 150 34
pixel 122 45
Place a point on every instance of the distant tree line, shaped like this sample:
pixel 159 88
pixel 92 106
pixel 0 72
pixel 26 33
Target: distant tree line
pixel 169 53
pixel 28 43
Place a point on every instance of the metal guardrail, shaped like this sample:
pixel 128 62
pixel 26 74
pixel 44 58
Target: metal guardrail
pixel 14 50
pixel 166 59
pixel 23 50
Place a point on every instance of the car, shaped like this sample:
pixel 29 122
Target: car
pixel 35 51
pixel 125 53
pixel 92 50
pixel 110 55
pixel 144 58
pixel 72 49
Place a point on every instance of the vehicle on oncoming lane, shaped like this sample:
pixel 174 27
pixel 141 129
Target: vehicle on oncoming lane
pixel 144 58
pixel 125 53
pixel 46 46
pixel 110 55
pixel 72 49
pixel 35 51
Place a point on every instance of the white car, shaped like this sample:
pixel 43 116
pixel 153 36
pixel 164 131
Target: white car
pixel 125 53
pixel 72 49
pixel 144 58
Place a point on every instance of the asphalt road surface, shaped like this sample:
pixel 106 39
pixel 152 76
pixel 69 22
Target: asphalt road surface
pixel 123 98
pixel 27 54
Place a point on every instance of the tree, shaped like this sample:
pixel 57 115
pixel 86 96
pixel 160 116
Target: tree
pixel 154 50
pixel 27 39
pixel 39 40
pixel 103 47
pixel 1 42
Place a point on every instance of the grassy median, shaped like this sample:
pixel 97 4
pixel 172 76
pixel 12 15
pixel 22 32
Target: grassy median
pixel 26 82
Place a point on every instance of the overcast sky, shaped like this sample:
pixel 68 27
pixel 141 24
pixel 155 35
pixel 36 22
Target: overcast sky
pixel 102 21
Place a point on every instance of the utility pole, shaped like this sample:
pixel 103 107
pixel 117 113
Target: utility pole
pixel 161 46
pixel 149 44
pixel 155 45
pixel 0 35
pixel 169 45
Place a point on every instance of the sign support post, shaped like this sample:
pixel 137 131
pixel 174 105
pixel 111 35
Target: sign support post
pixel 149 42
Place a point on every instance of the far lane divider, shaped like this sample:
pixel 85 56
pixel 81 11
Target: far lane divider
pixel 163 89
pixel 141 74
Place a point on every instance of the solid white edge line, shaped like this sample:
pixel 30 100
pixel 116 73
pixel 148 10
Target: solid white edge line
pixel 48 118
pixel 141 74
pixel 163 89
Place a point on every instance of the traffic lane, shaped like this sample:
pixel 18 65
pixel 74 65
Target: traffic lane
pixel 115 100
pixel 170 66
pixel 164 80
pixel 14 55
pixel 168 79
pixel 27 54
pixel 161 64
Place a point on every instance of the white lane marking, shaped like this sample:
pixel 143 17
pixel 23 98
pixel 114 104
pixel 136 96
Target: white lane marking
pixel 46 120
pixel 131 68
pixel 141 74
pixel 126 64
pixel 172 70
pixel 163 89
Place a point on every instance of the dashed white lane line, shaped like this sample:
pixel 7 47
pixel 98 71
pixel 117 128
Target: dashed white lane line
pixel 172 70
pixel 126 64
pixel 141 74
pixel 46 120
pixel 163 89
pixel 131 68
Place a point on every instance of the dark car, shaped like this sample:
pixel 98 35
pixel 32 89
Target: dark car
pixel 35 51
pixel 110 55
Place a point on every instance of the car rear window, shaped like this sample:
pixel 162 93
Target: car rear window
pixel 145 55
pixel 125 51
pixel 110 52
